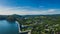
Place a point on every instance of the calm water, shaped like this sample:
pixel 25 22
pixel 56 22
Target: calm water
pixel 8 28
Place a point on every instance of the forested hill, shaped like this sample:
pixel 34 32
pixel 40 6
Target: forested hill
pixel 2 17
pixel 21 17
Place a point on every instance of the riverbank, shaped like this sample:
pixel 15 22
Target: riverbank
pixel 25 32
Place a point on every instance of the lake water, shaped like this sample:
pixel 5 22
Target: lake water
pixel 8 28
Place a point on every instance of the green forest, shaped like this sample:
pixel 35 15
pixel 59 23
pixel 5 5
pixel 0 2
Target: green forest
pixel 42 24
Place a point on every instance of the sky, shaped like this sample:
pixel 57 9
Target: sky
pixel 29 7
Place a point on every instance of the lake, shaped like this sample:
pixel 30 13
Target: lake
pixel 8 28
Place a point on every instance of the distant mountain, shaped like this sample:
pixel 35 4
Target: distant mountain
pixel 26 16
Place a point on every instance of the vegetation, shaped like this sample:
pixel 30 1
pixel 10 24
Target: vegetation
pixel 42 24
pixel 48 25
pixel 38 24
pixel 11 18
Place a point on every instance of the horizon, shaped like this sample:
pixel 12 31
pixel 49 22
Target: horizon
pixel 29 7
pixel 34 14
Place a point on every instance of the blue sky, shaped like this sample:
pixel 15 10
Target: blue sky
pixel 29 7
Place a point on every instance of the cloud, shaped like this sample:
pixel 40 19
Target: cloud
pixel 51 10
pixel 25 11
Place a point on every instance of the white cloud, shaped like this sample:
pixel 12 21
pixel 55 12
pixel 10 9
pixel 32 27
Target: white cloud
pixel 23 11
pixel 51 10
